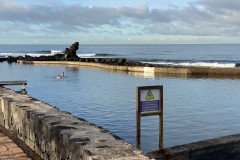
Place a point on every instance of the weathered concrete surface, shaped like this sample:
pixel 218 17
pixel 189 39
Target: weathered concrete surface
pixel 59 135
pixel 157 69
pixel 223 148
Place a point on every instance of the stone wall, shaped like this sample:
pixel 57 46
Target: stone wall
pixel 54 134
pixel 223 148
pixel 136 67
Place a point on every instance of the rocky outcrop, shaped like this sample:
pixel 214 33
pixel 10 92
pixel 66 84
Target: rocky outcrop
pixel 71 52
pixel 109 61
pixel 2 59
pixel 11 59
pixel 114 61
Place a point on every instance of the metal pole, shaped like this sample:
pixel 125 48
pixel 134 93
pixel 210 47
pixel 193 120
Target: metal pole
pixel 161 120
pixel 138 129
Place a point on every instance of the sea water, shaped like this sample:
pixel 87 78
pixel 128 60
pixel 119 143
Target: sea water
pixel 195 108
pixel 200 55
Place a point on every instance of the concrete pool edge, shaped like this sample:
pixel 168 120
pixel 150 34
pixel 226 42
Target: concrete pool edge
pixel 148 70
pixel 54 134
pixel 226 147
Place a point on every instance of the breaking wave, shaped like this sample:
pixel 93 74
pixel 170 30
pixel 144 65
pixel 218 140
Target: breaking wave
pixel 95 55
pixel 198 64
pixel 32 53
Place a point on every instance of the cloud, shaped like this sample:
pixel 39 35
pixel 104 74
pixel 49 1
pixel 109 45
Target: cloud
pixel 74 15
pixel 202 18
pixel 205 18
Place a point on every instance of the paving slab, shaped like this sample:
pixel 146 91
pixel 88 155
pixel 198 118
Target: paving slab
pixel 11 148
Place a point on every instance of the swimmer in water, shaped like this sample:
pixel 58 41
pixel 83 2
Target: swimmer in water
pixel 62 73
pixel 58 77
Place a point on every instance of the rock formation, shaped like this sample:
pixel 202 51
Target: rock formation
pixel 71 52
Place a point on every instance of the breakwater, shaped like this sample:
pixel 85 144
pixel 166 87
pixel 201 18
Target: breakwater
pixel 131 66
pixel 54 134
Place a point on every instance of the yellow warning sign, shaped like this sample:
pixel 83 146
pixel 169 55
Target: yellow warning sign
pixel 149 95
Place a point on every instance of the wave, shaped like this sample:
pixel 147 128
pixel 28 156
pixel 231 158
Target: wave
pixel 198 64
pixel 53 52
pixel 44 51
pixel 32 53
pixel 49 51
pixel 11 54
pixel 104 55
pixel 87 55
pixel 56 52
pixel 95 55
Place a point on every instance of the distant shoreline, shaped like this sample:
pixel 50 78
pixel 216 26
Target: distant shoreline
pixel 133 66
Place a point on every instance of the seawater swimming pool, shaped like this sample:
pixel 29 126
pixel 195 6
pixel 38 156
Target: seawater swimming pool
pixel 194 108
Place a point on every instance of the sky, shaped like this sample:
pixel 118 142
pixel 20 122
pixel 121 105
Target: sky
pixel 119 21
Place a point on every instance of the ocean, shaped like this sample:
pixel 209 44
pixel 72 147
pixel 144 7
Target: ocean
pixel 195 108
pixel 200 55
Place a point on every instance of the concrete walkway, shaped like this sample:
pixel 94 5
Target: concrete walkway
pixel 12 148
pixel 9 150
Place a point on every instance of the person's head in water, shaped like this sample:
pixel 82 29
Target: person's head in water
pixel 58 77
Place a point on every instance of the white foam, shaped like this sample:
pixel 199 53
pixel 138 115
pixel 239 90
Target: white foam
pixel 12 54
pixel 198 64
pixel 38 55
pixel 56 51
pixel 87 55
pixel 53 52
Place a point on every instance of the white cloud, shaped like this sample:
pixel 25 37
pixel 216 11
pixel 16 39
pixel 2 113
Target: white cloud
pixel 202 18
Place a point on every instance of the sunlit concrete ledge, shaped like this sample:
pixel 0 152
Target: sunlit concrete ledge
pixel 58 135
pixel 165 69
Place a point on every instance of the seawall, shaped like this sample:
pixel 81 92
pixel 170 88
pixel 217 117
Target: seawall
pixel 152 69
pixel 222 148
pixel 58 135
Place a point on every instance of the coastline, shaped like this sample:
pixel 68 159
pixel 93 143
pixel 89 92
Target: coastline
pixel 140 67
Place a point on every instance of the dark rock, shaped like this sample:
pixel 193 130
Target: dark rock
pixel 3 59
pixel 128 62
pixel 76 59
pixel 11 59
pixel 67 53
pixel 114 60
pixel 121 61
pixel 58 55
pixel 21 58
pixel 71 52
pixel 90 60
pixel 81 60
pixel 42 58
pixel 108 60
pixel 28 58
pixel 102 60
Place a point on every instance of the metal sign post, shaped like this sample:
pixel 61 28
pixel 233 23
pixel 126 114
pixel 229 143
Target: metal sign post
pixel 149 103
